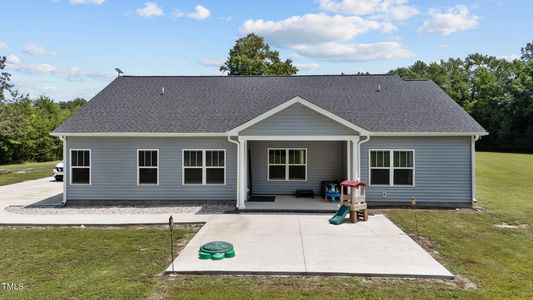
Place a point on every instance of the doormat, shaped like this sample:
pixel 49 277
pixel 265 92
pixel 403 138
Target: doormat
pixel 262 199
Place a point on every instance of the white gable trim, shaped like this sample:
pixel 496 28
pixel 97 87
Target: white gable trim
pixel 297 99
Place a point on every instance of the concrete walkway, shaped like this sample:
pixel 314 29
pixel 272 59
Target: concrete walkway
pixel 308 244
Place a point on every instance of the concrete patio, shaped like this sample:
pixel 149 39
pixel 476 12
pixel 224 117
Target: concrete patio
pixel 309 245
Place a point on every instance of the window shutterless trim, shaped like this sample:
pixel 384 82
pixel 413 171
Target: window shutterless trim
pixel 204 167
pixel 286 164
pixel 391 168
pixel 80 167
pixel 144 167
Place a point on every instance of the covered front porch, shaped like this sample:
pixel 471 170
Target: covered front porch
pixel 295 146
pixel 274 169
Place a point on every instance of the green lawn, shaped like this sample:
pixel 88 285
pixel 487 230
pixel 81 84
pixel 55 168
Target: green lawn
pixel 25 171
pixel 66 263
pixel 124 263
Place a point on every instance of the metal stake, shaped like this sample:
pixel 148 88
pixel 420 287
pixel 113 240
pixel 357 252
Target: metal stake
pixel 413 205
pixel 171 226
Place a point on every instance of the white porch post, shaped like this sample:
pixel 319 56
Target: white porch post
pixel 355 159
pixel 348 161
pixel 242 173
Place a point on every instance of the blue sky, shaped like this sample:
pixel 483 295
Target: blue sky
pixel 68 48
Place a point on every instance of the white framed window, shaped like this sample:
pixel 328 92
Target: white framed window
pixel 391 167
pixel 80 166
pixel 204 166
pixel 287 164
pixel 147 166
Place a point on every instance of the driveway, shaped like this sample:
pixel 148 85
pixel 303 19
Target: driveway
pixel 48 192
pixel 309 245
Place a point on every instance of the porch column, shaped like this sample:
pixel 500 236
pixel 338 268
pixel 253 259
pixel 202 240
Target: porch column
pixel 242 173
pixel 355 158
pixel 348 161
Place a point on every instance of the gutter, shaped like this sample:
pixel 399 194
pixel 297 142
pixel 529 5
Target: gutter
pixel 475 138
pixel 64 140
pixel 238 165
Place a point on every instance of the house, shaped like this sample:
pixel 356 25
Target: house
pixel 158 139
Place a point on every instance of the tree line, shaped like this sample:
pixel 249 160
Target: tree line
pixel 26 123
pixel 496 92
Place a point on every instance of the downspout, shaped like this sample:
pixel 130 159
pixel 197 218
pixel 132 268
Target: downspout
pixel 238 167
pixel 475 138
pixel 63 139
pixel 359 156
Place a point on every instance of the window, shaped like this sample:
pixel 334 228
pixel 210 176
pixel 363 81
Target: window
pixel 80 166
pixel 403 168
pixel 287 164
pixel 148 166
pixel 392 167
pixel 204 167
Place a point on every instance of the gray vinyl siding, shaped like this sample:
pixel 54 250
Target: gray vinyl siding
pixel 324 162
pixel 298 120
pixel 442 170
pixel 114 169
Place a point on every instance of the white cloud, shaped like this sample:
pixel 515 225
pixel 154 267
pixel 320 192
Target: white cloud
pixel 327 37
pixel 2 45
pixel 397 10
pixel 94 2
pixel 13 59
pixel 346 52
pixel 454 19
pixel 200 13
pixel 212 62
pixel 72 73
pixel 509 57
pixel 307 67
pixel 150 9
pixel 310 29
pixel 36 50
pixel 388 27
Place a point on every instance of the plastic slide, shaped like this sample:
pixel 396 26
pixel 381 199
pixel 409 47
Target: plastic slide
pixel 340 215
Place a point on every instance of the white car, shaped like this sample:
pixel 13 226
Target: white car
pixel 58 171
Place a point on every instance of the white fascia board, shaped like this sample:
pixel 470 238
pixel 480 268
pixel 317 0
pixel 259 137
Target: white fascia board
pixel 298 138
pixel 428 133
pixel 297 99
pixel 142 134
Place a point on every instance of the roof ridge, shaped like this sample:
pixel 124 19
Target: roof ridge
pixel 262 76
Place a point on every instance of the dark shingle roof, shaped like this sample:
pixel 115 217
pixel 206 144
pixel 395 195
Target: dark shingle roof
pixel 220 103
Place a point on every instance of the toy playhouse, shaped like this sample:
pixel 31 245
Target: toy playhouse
pixel 353 202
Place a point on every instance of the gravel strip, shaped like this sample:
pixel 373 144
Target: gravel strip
pixel 121 210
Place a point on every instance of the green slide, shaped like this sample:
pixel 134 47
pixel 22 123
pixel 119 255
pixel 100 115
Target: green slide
pixel 340 215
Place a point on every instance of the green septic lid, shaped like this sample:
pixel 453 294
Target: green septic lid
pixel 216 247
pixel 217 256
pixel 204 255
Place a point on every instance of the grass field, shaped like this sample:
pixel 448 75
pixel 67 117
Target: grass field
pixel 125 262
pixel 25 171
